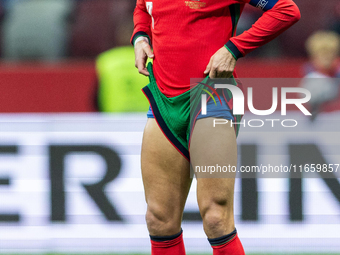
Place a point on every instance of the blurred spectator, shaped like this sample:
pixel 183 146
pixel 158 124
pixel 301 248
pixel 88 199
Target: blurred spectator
pixel 323 49
pixel 36 29
pixel 119 82
pixel 42 29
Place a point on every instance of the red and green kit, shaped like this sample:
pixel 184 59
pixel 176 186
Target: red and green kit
pixel 184 34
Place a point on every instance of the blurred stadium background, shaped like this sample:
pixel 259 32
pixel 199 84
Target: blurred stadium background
pixel 70 140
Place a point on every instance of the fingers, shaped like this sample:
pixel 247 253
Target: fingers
pixel 142 69
pixel 221 64
pixel 224 72
pixel 222 69
pixel 208 68
pixel 140 65
pixel 213 73
pixel 142 52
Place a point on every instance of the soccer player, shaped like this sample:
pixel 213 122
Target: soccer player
pixel 192 39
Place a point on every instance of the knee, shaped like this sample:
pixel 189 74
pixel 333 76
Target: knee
pixel 218 218
pixel 216 223
pixel 162 223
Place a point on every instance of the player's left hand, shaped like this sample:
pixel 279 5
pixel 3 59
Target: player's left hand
pixel 221 64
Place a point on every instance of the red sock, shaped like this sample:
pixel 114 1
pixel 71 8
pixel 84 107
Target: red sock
pixel 171 246
pixel 231 245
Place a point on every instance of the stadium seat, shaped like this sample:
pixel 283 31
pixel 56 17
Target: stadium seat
pixel 36 29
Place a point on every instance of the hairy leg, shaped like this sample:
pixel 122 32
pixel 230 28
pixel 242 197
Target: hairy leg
pixel 211 146
pixel 166 178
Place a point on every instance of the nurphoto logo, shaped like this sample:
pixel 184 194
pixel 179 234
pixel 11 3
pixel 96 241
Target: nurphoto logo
pixel 239 101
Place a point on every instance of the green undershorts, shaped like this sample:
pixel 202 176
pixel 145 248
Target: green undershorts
pixel 177 115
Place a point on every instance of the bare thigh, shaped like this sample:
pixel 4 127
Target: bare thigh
pixel 166 179
pixel 211 146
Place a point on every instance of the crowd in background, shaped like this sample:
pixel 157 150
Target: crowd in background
pixel 54 29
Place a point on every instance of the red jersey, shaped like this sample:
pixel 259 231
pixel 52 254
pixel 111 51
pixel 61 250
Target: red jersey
pixel 185 34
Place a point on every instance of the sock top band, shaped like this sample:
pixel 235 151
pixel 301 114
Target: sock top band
pixel 222 239
pixel 165 238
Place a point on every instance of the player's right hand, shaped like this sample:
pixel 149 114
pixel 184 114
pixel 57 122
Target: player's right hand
pixel 142 52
